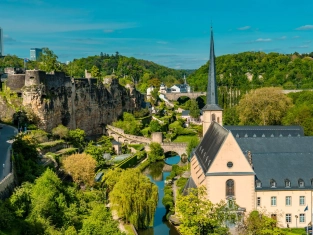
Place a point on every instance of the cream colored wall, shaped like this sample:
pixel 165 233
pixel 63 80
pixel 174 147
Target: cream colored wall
pixel 230 152
pixel 244 190
pixel 241 172
pixel 281 209
pixel 207 119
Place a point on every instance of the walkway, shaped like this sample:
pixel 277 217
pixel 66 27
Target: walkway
pixel 6 133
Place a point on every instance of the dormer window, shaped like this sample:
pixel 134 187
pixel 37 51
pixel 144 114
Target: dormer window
pixel 258 184
pixel 311 182
pixel 273 183
pixel 301 183
pixel 287 183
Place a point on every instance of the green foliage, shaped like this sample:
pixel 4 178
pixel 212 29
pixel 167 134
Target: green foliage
pixel 50 144
pixel 77 138
pixel 134 197
pixel 264 106
pixel 11 61
pixel 230 116
pixel 168 200
pixel 25 158
pixel 271 69
pixel 129 124
pixel 7 217
pixel 156 152
pixel 259 223
pixel 193 143
pixel 104 145
pixel 60 131
pixel 39 136
pixel 194 109
pixel 302 111
pixel 200 216
pixel 141 113
pixel 176 170
pixel 155 126
pixel 49 61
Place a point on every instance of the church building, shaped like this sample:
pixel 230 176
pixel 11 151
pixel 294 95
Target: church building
pixel 268 168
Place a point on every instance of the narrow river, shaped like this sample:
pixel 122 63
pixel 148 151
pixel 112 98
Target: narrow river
pixel 160 227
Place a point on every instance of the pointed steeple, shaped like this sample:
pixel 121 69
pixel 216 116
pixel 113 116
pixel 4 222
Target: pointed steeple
pixel 211 96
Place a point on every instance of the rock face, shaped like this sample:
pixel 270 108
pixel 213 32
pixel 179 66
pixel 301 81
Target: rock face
pixel 76 103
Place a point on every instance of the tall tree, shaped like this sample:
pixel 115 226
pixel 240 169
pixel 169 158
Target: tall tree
pixel 194 109
pixel 49 61
pixel 200 216
pixel 81 167
pixel 156 152
pixel 135 198
pixel 60 131
pixel 264 106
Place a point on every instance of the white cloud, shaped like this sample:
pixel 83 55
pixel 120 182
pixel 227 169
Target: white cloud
pixel 305 27
pixel 282 38
pixel 8 39
pixel 244 28
pixel 296 37
pixel 263 40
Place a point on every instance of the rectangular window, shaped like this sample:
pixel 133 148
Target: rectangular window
pixel 259 201
pixel 302 200
pixel 288 218
pixel 288 200
pixel 302 218
pixel 273 201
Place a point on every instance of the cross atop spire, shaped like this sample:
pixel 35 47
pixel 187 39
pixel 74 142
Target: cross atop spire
pixel 211 96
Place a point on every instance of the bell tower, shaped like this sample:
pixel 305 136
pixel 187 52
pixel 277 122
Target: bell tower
pixel 211 111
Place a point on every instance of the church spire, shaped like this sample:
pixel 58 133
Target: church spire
pixel 211 98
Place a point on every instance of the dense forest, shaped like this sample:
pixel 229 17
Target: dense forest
pixel 250 70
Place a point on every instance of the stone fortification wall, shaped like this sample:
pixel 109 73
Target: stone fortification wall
pixel 136 138
pixel 75 103
pixel 15 82
pixel 7 185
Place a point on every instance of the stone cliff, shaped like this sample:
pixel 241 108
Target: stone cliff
pixel 76 103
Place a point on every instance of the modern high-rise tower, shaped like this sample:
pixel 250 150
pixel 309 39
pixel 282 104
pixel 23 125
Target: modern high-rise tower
pixel 35 54
pixel 1 42
pixel 212 111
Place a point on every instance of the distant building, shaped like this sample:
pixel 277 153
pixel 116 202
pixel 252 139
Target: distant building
pixel 1 42
pixel 181 88
pixel 163 88
pixel 35 54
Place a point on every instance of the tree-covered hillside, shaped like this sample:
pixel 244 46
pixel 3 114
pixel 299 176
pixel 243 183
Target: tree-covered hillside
pixel 249 70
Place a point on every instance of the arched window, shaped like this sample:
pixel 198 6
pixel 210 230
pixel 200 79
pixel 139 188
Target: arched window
pixel 287 183
pixel 301 183
pixel 218 119
pixel 213 117
pixel 230 188
pixel 273 183
pixel 258 184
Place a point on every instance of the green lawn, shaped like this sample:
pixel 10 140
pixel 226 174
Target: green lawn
pixel 183 138
pixel 295 231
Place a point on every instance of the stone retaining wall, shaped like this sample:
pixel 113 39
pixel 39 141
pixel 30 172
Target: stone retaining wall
pixel 7 186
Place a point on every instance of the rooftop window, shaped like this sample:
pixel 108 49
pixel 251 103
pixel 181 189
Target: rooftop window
pixel 273 183
pixel 301 183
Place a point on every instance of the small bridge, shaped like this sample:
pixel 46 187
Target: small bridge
pixel 175 96
pixel 119 135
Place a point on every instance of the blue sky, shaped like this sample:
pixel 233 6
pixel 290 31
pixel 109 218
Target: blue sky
pixel 169 32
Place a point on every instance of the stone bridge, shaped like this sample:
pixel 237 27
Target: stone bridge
pixel 174 96
pixel 119 135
